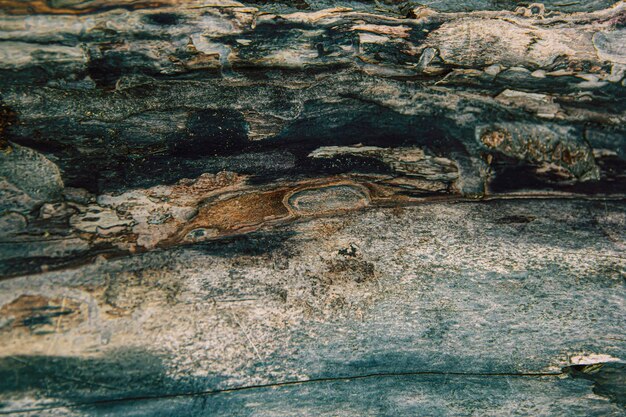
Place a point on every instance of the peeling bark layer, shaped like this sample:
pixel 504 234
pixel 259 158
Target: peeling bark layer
pixel 250 108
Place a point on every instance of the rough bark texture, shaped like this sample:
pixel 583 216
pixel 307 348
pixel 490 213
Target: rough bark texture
pixel 312 207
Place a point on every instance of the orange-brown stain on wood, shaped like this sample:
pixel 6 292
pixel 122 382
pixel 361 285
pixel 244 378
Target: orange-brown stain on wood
pixel 234 215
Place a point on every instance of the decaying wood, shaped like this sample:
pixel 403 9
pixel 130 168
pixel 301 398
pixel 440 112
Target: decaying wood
pixel 492 308
pixel 312 207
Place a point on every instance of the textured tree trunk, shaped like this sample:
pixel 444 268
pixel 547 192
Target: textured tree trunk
pixel 312 207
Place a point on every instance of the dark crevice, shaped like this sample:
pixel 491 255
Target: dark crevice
pixel 609 379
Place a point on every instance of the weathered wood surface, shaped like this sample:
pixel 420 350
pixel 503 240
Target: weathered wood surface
pixel 312 207
pixel 447 309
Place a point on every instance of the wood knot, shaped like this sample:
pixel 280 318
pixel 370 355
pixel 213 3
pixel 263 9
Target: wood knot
pixel 533 10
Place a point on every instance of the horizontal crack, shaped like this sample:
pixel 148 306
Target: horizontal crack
pixel 287 384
